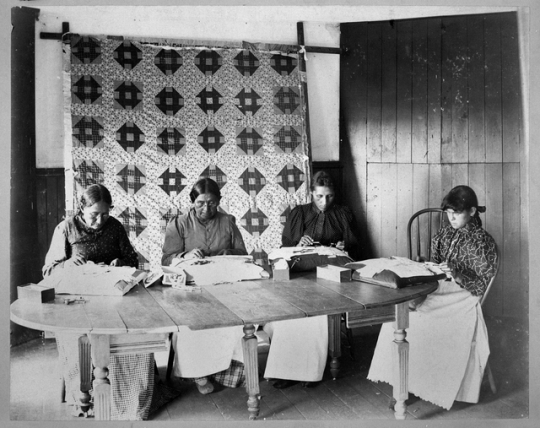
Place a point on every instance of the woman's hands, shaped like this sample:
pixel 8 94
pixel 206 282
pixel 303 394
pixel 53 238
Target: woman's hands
pixel 450 274
pixel 79 260
pixel 225 253
pixel 196 253
pixel 306 241
pixel 75 260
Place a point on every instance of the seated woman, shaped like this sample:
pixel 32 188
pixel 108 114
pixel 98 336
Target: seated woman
pixel 322 220
pixel 202 232
pixel 299 348
pixel 447 334
pixel 92 235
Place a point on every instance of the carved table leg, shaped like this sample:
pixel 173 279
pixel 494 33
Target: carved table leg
pixel 251 367
pixel 401 360
pixel 85 369
pixel 334 343
pixel 102 386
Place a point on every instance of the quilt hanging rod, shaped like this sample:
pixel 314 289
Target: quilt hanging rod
pixel 55 36
pixel 65 32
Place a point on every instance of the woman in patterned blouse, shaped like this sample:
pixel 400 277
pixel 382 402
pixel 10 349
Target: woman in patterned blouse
pixel 93 236
pixel 447 334
pixel 463 248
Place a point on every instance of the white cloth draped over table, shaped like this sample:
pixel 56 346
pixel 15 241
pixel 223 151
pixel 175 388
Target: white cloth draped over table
pixel 298 349
pixel 448 349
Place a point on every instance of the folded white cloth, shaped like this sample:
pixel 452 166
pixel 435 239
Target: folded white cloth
pixel 218 269
pixel 92 279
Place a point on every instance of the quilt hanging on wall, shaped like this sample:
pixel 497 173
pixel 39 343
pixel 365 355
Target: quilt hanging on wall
pixel 148 119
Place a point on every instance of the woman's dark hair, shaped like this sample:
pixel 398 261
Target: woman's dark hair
pixel 94 194
pixel 204 185
pixel 322 179
pixel 462 198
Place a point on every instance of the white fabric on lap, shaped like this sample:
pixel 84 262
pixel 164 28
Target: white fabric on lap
pixel 204 352
pixel 298 349
pixel 443 363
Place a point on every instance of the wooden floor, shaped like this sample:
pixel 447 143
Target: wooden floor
pixel 35 388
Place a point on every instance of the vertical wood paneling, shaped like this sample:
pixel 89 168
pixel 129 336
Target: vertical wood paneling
pixel 389 210
pixel 404 206
pixel 493 99
pixel 52 206
pixel 61 198
pixel 374 89
pixel 435 186
pixel 43 243
pixel 353 130
pixel 460 109
pixel 475 44
pixel 434 90
pixel 388 72
pixel 446 179
pixel 420 193
pixel 375 180
pixel 420 186
pixel 510 91
pixel 419 101
pixel 447 53
pixel 494 226
pixel 477 181
pixel 514 298
pixel 404 90
pixel 460 174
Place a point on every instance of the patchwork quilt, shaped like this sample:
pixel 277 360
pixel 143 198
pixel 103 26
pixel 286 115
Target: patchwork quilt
pixel 148 119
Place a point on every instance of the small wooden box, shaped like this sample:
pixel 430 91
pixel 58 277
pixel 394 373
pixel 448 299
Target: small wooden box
pixel 281 272
pixel 334 273
pixel 35 293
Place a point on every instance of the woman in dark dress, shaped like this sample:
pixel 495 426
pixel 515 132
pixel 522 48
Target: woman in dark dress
pixel 322 220
pixel 299 347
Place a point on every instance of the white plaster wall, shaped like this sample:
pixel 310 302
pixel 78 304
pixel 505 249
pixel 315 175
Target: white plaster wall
pixel 275 24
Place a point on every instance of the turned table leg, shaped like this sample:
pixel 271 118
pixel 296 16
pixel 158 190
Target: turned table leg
pixel 251 367
pixel 102 386
pixel 85 370
pixel 334 343
pixel 401 360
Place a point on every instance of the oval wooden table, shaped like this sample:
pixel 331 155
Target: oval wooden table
pixel 142 320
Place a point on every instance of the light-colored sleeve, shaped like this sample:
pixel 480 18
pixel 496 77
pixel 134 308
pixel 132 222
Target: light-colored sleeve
pixel 56 256
pixel 174 245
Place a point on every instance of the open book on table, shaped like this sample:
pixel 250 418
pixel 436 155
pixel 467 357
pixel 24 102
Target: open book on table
pixel 395 272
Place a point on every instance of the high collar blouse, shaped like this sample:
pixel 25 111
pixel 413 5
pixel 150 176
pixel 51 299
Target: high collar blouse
pixel 328 227
pixel 72 237
pixel 186 232
pixel 471 252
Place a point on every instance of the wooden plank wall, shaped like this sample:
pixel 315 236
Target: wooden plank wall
pixel 24 265
pixel 51 205
pixel 428 104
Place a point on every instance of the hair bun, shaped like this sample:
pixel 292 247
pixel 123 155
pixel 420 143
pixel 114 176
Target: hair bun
pixel 481 209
